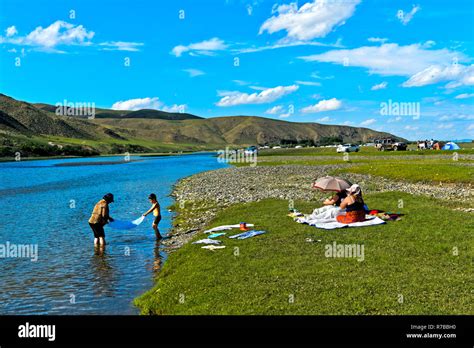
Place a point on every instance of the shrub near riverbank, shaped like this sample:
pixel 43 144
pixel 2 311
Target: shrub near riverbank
pixel 419 265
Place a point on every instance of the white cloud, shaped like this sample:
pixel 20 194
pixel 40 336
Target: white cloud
pixel 464 96
pixel 10 31
pixel 258 88
pixel 445 126
pixel 58 33
pixel 206 47
pixel 405 18
pixel 147 103
pixel 459 75
pixel 176 108
pixel 315 75
pixel 377 39
pixel 347 123
pixel 429 44
pixel 381 85
pixel 308 83
pixel 284 44
pixel 411 128
pixel 61 33
pixel 324 119
pixel 137 104
pixel 224 93
pixel 285 115
pixel 323 105
pixel 388 59
pixel 241 82
pixel 194 72
pixel 395 119
pixel 266 96
pixel 453 117
pixel 312 20
pixel 275 110
pixel 121 46
pixel 423 66
pixel 279 109
pixel 368 122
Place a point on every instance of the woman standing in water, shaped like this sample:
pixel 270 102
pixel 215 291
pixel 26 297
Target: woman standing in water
pixel 155 208
pixel 99 218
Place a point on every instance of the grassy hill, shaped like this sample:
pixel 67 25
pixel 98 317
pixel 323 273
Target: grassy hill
pixel 144 113
pixel 24 118
pixel 117 131
pixel 238 130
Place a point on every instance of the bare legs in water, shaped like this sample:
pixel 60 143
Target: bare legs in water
pixel 157 231
pixel 99 241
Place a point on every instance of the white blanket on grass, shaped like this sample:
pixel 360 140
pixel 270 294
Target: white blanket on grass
pixel 330 224
pixel 225 228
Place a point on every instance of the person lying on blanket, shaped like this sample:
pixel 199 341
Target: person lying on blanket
pixel 354 206
pixel 331 207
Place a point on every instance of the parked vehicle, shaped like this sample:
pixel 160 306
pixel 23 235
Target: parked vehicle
pixel 389 144
pixel 347 148
pixel 251 150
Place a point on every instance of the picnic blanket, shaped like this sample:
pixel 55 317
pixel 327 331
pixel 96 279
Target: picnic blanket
pixel 213 247
pixel 247 234
pixel 331 224
pixel 207 241
pixel 126 225
pixel 225 228
pixel 215 235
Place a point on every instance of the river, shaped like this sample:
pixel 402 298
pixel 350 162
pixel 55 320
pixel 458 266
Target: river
pixel 46 203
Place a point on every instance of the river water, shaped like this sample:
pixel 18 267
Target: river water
pixel 47 203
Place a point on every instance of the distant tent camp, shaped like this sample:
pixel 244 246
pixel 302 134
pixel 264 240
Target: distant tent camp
pixel 450 146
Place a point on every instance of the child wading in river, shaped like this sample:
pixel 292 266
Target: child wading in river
pixel 155 208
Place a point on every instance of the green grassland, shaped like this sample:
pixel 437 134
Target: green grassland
pixel 418 170
pixel 418 265
pixel 423 166
pixel 429 171
pixel 39 147
pixel 421 264
pixel 106 144
pixel 466 148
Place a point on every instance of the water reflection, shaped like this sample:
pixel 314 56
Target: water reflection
pixel 103 281
pixel 157 260
pixel 104 272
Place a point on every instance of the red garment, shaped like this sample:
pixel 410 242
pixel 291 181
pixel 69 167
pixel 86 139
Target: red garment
pixel 351 216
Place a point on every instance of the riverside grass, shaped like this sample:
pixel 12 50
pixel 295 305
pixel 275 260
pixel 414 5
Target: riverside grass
pixel 415 170
pixel 425 259
pixel 421 264
pixel 422 166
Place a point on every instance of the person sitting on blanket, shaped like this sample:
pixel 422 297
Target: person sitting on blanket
pixel 354 206
pixel 331 207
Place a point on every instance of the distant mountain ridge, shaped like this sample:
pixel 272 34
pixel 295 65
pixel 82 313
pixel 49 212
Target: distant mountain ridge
pixel 152 129
pixel 143 113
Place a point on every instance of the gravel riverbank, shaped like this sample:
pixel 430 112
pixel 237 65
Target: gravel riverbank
pixel 201 196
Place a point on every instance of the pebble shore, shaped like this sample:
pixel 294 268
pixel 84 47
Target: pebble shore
pixel 203 195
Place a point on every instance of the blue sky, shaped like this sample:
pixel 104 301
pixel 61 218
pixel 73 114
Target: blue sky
pixel 399 66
